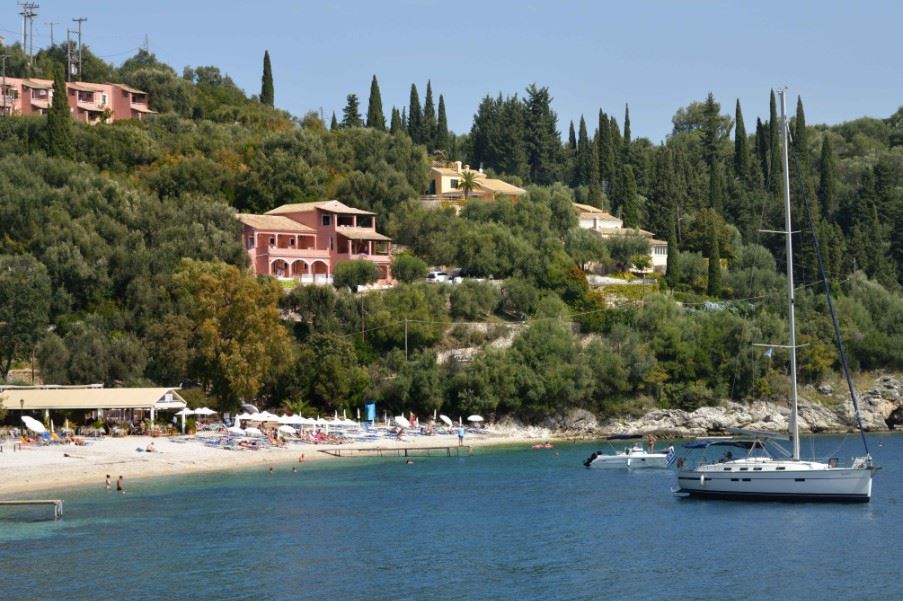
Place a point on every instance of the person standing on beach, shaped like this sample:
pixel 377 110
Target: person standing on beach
pixel 460 436
pixel 107 482
pixel 119 487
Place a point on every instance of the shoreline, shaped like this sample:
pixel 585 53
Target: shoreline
pixel 42 469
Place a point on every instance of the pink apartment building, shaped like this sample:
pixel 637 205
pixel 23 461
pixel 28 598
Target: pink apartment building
pixel 88 102
pixel 306 241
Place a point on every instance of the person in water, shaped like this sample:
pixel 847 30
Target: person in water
pixel 119 485
pixel 107 482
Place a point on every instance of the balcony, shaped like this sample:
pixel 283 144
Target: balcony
pixel 297 253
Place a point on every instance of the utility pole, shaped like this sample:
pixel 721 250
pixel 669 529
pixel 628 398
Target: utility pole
pixel 80 20
pixel 3 93
pixel 51 23
pixel 28 16
pixel 31 16
pixel 68 54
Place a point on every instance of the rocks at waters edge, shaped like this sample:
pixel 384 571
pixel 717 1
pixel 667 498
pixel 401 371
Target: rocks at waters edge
pixel 881 409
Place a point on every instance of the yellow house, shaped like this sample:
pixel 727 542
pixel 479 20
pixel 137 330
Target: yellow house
pixel 446 179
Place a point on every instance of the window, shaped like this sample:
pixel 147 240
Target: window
pixel 327 220
pixel 250 242
pixel 272 241
pixel 103 99
pixel 453 183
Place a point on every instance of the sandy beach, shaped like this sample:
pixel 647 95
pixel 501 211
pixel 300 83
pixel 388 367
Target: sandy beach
pixel 34 469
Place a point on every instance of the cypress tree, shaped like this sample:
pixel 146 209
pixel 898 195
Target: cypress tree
pixel 429 118
pixel 351 114
pixel 741 154
pixel 827 184
pixel 375 117
pixel 714 283
pixel 762 148
pixel 774 147
pixel 672 268
pixel 395 125
pixel 442 137
pixel 710 113
pixel 334 124
pixel 716 189
pixel 800 137
pixel 572 138
pixel 626 125
pixel 629 203
pixel 660 208
pixel 266 83
pixel 595 187
pixel 606 160
pixel 415 117
pixel 584 156
pixel 59 139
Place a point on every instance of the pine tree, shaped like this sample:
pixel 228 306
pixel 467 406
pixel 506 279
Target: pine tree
pixel 827 184
pixel 351 114
pixel 59 138
pixel 672 269
pixel 266 84
pixel 583 157
pixel 396 126
pixel 429 118
pixel 710 136
pixel 442 141
pixel 334 124
pixel 572 138
pixel 415 117
pixel 375 117
pixel 714 283
pixel 741 154
pixel 543 140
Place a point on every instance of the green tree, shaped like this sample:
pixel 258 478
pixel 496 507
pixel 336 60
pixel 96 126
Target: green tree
pixel 375 116
pixel 428 123
pixel 741 154
pixel 827 184
pixel 714 281
pixel 543 140
pixel 396 125
pixel 626 125
pixel 627 202
pixel 408 268
pixel 351 115
pixel 415 117
pixel 358 272
pixel 467 183
pixel 25 292
pixel 442 141
pixel 716 188
pixel 473 300
pixel 58 136
pixel 333 123
pixel 672 269
pixel 267 95
pixel 583 157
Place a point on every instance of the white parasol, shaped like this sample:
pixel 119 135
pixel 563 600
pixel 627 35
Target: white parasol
pixel 474 418
pixel 33 425
pixel 204 411
pixel 235 430
pixel 185 411
pixel 251 431
pixel 446 420
pixel 402 421
pixel 287 429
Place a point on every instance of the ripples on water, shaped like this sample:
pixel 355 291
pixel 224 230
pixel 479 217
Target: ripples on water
pixel 504 524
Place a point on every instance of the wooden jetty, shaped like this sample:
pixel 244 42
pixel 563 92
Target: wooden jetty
pixel 449 451
pixel 57 505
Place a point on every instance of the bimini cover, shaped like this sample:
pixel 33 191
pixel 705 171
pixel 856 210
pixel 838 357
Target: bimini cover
pixel 623 436
pixel 740 444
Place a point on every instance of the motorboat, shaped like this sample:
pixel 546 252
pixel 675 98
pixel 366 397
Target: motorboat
pixel 630 457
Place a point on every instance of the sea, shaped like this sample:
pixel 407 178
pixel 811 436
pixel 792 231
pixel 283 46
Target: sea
pixel 504 523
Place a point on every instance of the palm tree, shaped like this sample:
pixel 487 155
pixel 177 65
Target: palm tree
pixel 468 183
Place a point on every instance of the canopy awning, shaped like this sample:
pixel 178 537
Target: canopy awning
pixel 31 399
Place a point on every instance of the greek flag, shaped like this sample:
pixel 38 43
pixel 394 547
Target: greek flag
pixel 671 457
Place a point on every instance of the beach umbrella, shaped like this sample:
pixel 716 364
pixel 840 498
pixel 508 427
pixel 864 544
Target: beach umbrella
pixel 446 420
pixel 253 432
pixel 266 416
pixel 33 425
pixel 287 429
pixel 474 418
pixel 235 430
pixel 204 411
pixel 249 407
pixel 402 421
pixel 183 413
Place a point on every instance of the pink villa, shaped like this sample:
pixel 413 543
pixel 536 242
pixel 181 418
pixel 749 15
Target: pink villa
pixel 88 102
pixel 306 241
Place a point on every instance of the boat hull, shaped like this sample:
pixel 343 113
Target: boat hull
pixel 654 460
pixel 787 482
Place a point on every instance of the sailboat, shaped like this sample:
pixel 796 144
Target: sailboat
pixel 758 475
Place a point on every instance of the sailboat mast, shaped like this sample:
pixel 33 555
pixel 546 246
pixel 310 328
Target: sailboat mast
pixel 791 310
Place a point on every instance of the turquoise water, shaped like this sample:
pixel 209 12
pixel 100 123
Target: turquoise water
pixel 502 524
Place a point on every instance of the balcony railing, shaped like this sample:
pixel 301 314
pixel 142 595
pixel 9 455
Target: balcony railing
pixel 298 253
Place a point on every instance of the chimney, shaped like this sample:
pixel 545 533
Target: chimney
pixel 458 166
pixel 466 167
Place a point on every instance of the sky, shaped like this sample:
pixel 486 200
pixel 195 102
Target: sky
pixel 843 58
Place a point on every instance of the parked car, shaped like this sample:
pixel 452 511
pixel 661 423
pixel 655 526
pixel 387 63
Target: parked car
pixel 437 277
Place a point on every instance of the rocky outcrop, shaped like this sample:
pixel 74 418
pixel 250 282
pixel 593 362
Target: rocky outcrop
pixel 881 408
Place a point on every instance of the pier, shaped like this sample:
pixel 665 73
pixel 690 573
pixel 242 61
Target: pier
pixel 57 505
pixel 449 451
